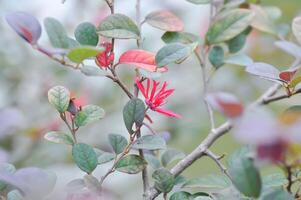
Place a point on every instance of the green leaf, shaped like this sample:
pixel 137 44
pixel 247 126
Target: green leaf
pixel 216 56
pixel 229 25
pixel 274 180
pixel 174 52
pixel 237 43
pixel 150 142
pixel 276 194
pixel 152 160
pixel 199 1
pixel 238 59
pixel 209 183
pixel 79 54
pixel 131 164
pixel 85 157
pixel 57 34
pixel 295 82
pixel 14 195
pixel 171 155
pixel 180 196
pixel 85 34
pixel 180 37
pixel 133 112
pixel 245 176
pixel 119 26
pixel 6 168
pixel 164 180
pixel 103 157
pixel 117 142
pixel 59 137
pixel 88 114
pixel 59 97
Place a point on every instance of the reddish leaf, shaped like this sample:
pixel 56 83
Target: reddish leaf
pixel 165 20
pixel 141 59
pixel 287 75
pixel 27 26
pixel 274 152
pixel 225 103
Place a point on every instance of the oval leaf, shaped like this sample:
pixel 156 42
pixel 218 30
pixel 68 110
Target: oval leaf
pixel 6 168
pixel 150 142
pixel 289 48
pixel 171 155
pixel 131 164
pixel 229 25
pixel 165 20
pixel 141 59
pixel 79 54
pixel 133 112
pixel 14 195
pixel 209 183
pixel 59 97
pixel 245 176
pixel 118 26
pixel 85 33
pixel 88 114
pixel 117 142
pixel 181 37
pixel 25 25
pixel 85 157
pixel 239 59
pixel 180 196
pixel 199 1
pixel 263 70
pixel 225 103
pixel 164 180
pixel 103 157
pixel 59 137
pixel 174 52
pixel 57 34
pixel 216 56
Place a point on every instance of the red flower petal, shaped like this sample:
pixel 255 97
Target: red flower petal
pixel 168 113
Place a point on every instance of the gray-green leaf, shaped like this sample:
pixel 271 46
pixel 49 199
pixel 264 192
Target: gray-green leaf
pixel 85 34
pixel 57 34
pixel 164 180
pixel 59 137
pixel 6 168
pixel 131 164
pixel 171 155
pixel 150 142
pixel 14 195
pixel 133 112
pixel 119 26
pixel 245 176
pixel 85 157
pixel 79 54
pixel 229 25
pixel 117 142
pixel 199 1
pixel 88 114
pixel 216 56
pixel 181 37
pixel 103 157
pixel 59 97
pixel 174 52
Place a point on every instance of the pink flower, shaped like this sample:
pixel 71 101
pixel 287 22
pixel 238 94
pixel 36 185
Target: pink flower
pixel 155 97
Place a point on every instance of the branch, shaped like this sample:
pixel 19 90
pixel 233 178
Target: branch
pixel 201 150
pixel 217 159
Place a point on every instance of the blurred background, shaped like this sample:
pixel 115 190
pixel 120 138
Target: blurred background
pixel 26 75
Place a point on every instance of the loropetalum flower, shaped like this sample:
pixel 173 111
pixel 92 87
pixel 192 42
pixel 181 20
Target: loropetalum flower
pixel 155 96
pixel 105 58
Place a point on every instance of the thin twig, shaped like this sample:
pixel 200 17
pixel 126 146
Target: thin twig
pixel 71 129
pixel 217 159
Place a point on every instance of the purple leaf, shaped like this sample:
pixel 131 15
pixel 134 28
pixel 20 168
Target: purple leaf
pixel 257 127
pixel 27 26
pixel 225 103
pixel 264 70
pixel 289 48
pixel 33 182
